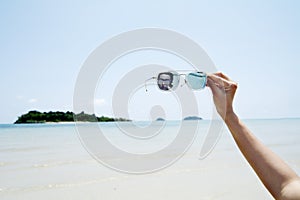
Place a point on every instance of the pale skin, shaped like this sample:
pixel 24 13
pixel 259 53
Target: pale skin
pixel 279 179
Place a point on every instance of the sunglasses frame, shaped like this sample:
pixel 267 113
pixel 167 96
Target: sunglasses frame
pixel 176 73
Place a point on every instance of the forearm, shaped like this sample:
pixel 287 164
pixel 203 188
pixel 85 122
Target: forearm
pixel 271 170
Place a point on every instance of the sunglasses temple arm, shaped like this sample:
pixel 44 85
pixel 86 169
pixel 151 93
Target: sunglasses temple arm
pixel 146 81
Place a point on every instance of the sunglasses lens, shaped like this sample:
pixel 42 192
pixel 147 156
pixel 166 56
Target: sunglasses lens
pixel 167 81
pixel 196 80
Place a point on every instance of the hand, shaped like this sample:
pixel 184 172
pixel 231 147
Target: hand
pixel 223 90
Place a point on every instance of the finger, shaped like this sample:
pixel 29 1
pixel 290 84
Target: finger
pixel 212 85
pixel 220 74
pixel 221 81
pixel 216 79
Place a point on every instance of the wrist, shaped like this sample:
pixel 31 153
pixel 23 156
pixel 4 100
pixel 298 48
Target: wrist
pixel 230 117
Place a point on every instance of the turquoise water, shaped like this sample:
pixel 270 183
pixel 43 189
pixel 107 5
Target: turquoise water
pixel 49 158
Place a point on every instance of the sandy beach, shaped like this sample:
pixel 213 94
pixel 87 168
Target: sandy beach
pixel 49 162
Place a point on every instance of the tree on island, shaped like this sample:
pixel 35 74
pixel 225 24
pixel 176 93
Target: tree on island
pixel 43 117
pixel 192 118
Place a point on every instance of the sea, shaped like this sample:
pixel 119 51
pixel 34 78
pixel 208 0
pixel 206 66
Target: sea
pixel 53 161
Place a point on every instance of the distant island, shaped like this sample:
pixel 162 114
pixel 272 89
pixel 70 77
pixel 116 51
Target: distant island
pixel 192 118
pixel 44 117
pixel 185 119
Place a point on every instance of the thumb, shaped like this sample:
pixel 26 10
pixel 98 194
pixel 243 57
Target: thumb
pixel 211 84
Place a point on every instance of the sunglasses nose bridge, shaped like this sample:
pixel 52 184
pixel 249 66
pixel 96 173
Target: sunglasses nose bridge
pixel 184 79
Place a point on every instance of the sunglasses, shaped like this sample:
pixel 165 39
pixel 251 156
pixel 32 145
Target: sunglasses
pixel 170 80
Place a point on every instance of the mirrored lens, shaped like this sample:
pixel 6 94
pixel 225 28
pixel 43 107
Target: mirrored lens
pixel 196 80
pixel 167 81
pixel 164 81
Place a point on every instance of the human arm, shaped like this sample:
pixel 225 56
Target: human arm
pixel 280 180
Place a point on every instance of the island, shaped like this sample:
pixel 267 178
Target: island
pixel 160 119
pixel 58 116
pixel 192 118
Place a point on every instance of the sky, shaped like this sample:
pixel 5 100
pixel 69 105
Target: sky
pixel 45 43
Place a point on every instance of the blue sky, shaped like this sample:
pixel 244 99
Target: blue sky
pixel 44 44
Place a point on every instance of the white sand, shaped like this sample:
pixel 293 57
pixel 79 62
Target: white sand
pixel 53 165
pixel 223 175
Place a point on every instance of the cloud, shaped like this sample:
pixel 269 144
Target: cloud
pixel 33 100
pixel 99 102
